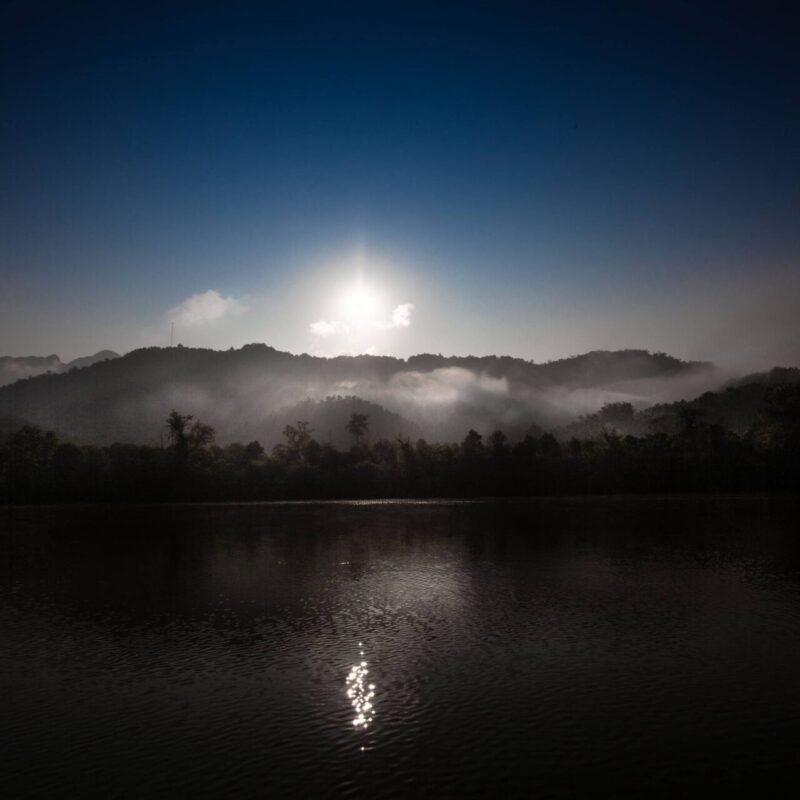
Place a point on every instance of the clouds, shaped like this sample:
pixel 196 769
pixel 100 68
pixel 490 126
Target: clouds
pixel 333 337
pixel 340 337
pixel 200 309
pixel 401 316
pixel 324 329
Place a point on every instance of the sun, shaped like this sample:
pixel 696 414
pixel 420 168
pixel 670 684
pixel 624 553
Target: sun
pixel 360 304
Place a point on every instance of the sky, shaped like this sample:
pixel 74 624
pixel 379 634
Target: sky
pixel 537 179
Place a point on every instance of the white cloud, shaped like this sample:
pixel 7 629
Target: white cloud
pixel 206 307
pixel 401 316
pixel 324 329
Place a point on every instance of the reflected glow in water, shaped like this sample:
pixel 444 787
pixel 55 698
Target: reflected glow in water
pixel 563 648
pixel 361 693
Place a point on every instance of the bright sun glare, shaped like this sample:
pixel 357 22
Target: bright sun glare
pixel 360 304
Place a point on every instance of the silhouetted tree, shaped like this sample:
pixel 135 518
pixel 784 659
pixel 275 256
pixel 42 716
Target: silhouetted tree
pixel 177 425
pixel 687 454
pixel 357 426
pixel 253 452
pixel 498 444
pixel 187 440
pixel 297 440
pixel 200 436
pixel 473 444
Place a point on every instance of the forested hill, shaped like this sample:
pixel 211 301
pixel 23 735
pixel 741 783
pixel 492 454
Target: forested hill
pixel 736 408
pixel 239 392
pixel 777 375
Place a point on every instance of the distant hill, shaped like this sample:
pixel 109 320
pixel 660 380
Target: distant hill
pixel 327 419
pixel 244 392
pixel 774 376
pixel 593 369
pixel 87 361
pixel 14 368
pixel 734 407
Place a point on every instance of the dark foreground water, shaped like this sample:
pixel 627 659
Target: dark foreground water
pixel 555 648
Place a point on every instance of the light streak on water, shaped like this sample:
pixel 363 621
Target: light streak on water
pixel 360 692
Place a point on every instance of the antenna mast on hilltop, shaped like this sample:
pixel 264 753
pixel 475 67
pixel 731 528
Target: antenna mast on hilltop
pixel 171 332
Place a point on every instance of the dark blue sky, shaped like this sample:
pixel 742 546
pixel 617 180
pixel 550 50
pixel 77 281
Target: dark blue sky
pixel 536 179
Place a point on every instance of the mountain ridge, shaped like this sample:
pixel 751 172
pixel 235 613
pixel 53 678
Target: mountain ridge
pixel 14 368
pixel 240 390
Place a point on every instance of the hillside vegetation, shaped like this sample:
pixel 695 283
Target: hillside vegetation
pixel 248 393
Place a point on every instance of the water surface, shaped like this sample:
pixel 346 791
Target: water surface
pixel 553 648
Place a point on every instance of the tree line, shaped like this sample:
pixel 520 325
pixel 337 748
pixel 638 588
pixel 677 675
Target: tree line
pixel 35 466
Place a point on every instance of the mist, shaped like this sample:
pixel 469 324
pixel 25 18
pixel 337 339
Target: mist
pixel 253 392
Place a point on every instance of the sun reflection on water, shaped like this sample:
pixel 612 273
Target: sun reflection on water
pixel 360 692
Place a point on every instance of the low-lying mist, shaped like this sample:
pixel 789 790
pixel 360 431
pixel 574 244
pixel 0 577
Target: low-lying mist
pixel 440 404
pixel 253 392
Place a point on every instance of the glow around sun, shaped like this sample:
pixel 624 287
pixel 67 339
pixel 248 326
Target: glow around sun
pixel 360 305
pixel 359 314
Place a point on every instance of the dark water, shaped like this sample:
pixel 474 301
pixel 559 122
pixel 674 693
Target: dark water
pixel 557 648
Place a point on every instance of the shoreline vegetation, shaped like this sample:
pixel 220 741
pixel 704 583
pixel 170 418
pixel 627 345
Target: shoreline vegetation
pixel 36 467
